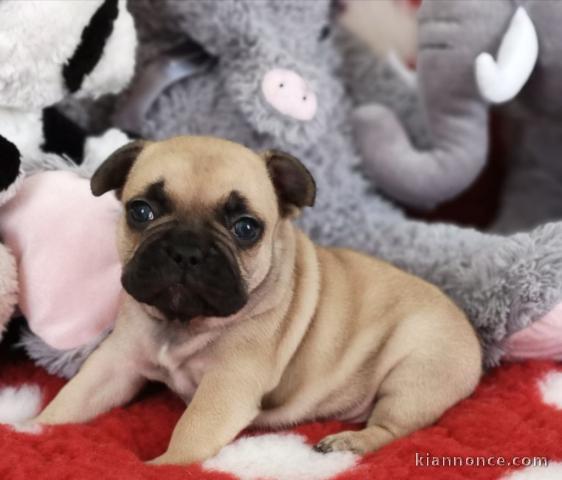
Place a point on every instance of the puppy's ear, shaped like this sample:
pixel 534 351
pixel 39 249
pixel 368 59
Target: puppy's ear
pixel 112 173
pixel 293 183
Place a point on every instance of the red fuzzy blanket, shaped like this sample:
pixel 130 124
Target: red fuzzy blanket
pixel 513 417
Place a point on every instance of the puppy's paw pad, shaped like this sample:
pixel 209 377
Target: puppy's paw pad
pixel 344 441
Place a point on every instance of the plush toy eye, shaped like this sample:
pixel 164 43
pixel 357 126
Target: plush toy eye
pixel 325 32
pixel 141 212
pixel 247 229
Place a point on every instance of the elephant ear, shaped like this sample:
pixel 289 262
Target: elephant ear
pixel 217 26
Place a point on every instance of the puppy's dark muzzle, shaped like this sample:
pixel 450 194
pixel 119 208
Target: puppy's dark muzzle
pixel 185 274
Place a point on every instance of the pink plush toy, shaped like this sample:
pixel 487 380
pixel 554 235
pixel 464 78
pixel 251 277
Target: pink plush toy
pixel 64 241
pixel 542 339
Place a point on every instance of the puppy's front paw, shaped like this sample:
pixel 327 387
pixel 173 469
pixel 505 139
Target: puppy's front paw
pixel 167 459
pixel 344 441
pixel 161 460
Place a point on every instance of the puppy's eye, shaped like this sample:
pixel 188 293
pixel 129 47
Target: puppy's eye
pixel 246 229
pixel 141 212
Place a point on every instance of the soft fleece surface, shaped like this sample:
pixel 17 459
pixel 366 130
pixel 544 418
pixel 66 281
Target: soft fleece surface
pixel 516 411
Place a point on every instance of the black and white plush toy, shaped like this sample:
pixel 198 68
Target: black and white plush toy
pixel 51 50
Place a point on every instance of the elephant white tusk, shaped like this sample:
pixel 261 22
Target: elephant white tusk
pixel 500 81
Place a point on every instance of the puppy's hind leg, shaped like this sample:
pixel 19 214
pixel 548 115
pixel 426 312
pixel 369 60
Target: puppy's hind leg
pixel 414 394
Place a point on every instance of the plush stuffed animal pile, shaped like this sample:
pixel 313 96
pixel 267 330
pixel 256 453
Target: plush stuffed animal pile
pixel 246 75
pixel 41 67
pixel 50 51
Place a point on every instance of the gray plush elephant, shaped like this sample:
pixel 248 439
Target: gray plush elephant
pixel 474 53
pixel 268 74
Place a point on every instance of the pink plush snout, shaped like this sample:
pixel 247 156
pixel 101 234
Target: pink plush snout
pixel 289 93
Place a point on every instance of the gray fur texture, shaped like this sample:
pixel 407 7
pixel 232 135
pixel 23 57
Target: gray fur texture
pixel 64 363
pixel 503 283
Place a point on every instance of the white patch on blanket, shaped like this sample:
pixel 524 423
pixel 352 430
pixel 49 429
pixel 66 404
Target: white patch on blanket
pixel 551 389
pixel 18 404
pixel 279 457
pixel 552 472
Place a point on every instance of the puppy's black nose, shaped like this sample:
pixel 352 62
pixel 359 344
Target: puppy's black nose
pixel 185 256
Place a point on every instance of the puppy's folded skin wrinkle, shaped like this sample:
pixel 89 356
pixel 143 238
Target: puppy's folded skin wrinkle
pixel 268 334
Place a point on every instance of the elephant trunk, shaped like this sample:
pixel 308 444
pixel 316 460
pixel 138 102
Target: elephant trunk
pixel 424 178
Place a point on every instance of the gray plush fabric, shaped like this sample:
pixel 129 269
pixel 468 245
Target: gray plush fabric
pixel 64 363
pixel 503 283
pixel 533 186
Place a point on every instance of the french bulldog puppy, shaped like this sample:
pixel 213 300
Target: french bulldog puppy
pixel 248 321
